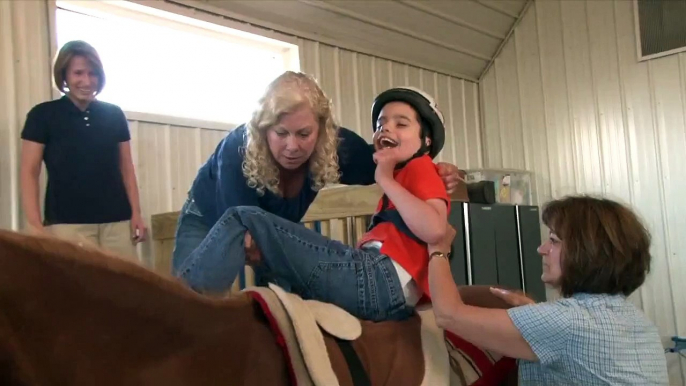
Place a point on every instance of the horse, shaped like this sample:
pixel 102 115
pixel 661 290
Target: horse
pixel 75 315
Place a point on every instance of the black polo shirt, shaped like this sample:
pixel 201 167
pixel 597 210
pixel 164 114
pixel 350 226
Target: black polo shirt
pixel 85 184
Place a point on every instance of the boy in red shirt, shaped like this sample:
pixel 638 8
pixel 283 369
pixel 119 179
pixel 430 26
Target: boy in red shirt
pixel 413 211
pixel 386 275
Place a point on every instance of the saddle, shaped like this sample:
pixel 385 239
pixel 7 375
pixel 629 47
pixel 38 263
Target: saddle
pixel 325 345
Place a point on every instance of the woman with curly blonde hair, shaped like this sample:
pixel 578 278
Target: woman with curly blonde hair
pixel 286 94
pixel 289 150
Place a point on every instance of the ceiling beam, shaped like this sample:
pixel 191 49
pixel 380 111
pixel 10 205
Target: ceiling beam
pixel 507 39
pixel 495 8
pixel 379 24
pixel 452 19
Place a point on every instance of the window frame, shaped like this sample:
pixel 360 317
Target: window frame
pixel 639 49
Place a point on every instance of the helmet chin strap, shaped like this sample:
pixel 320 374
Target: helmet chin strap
pixel 423 148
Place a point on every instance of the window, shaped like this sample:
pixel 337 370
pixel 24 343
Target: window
pixel 157 62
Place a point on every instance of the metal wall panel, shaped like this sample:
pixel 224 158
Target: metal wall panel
pixel 594 120
pixel 167 159
pixel 352 80
pixel 24 81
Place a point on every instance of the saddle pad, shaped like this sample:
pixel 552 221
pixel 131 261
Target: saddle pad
pixel 282 326
pixel 335 320
pixel 310 337
pixel 301 320
pixel 436 358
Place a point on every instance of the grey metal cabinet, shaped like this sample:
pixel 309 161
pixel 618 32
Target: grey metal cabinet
pixel 480 224
pixel 496 244
pixel 530 240
pixel 458 262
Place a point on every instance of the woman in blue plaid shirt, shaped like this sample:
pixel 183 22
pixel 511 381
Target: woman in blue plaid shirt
pixel 596 256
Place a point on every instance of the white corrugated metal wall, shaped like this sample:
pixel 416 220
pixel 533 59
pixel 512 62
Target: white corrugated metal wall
pixel 24 81
pixel 352 80
pixel 167 155
pixel 568 100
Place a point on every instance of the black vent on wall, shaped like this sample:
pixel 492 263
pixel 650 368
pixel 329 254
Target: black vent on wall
pixel 662 26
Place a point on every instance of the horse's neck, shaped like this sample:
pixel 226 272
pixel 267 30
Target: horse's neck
pixel 58 277
pixel 72 306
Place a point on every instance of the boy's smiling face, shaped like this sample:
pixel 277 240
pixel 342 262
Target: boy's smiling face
pixel 398 128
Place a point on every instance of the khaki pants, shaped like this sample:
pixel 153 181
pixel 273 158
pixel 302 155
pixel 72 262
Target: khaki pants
pixel 113 237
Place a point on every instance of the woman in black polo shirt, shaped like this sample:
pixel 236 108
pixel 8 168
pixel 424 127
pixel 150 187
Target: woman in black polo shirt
pixel 92 194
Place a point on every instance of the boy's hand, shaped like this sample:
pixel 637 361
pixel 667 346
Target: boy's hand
pixel 385 160
pixel 253 256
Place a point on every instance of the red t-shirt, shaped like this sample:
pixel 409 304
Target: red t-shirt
pixel 420 177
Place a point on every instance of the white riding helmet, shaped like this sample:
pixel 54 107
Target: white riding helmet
pixel 425 106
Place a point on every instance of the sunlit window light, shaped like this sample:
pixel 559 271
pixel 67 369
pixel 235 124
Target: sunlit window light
pixel 158 66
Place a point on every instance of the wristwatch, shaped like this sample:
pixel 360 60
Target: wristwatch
pixel 439 254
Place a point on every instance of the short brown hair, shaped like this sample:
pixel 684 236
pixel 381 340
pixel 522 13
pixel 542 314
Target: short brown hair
pixel 605 247
pixel 67 53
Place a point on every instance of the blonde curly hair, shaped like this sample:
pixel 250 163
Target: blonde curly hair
pixel 285 94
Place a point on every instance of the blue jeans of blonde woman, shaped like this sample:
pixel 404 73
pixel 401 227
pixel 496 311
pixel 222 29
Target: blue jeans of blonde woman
pixel 361 281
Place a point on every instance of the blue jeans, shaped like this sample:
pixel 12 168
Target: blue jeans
pixel 363 282
pixel 191 230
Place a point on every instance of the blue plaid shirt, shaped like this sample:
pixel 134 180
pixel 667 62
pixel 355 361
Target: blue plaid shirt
pixel 590 339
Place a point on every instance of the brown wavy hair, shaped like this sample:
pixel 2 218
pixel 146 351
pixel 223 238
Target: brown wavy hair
pixel 605 246
pixel 285 94
pixel 67 53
